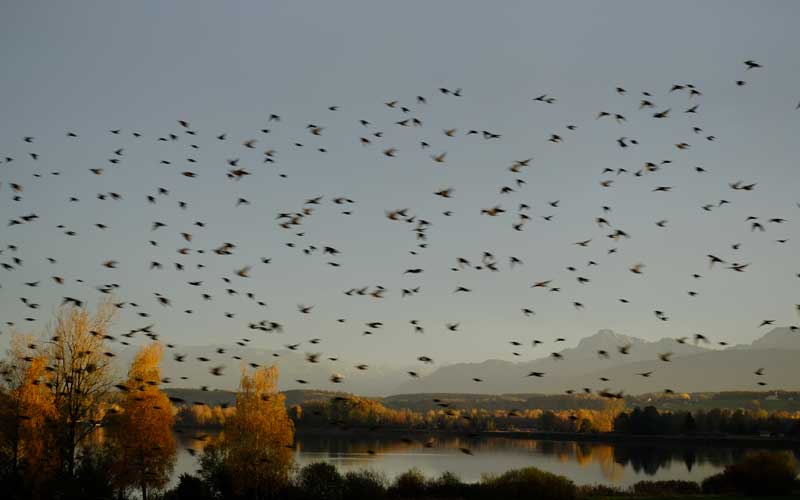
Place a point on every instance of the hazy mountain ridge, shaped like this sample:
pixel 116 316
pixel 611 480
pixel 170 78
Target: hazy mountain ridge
pixel 692 369
pixel 376 380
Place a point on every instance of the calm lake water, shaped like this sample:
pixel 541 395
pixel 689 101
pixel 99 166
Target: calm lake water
pixel 583 462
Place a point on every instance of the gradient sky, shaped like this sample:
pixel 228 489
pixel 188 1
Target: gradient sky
pixel 89 67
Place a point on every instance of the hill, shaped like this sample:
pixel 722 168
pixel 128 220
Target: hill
pixel 221 397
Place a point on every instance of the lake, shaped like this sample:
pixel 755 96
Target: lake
pixel 618 464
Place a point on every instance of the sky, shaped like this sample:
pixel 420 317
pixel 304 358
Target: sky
pixel 90 67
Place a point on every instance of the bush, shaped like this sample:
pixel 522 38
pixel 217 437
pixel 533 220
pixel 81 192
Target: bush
pixel 448 485
pixel 213 472
pixel 189 488
pixel 599 490
pixel 321 480
pixel 364 485
pixel 761 473
pixel 410 484
pixel 665 488
pixel 91 477
pixel 522 483
pixel 718 484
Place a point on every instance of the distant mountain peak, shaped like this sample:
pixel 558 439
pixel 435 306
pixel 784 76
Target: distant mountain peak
pixel 781 337
pixel 606 337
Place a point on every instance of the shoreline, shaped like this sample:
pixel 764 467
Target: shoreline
pixel 609 438
pixel 721 440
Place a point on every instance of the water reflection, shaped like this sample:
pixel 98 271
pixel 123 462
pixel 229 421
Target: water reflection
pixel 583 462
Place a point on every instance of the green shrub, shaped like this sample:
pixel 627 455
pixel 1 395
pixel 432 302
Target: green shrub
pixel 321 481
pixel 599 490
pixel 761 473
pixel 189 488
pixel 214 474
pixel 448 485
pixel 410 484
pixel 364 485
pixel 92 480
pixel 529 483
pixel 718 484
pixel 665 488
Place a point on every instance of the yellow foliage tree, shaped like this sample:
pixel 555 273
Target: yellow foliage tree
pixel 142 433
pixel 258 436
pixel 80 374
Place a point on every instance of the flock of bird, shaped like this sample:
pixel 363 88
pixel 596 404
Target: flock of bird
pixel 197 268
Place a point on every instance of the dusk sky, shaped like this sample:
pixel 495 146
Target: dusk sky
pixel 90 67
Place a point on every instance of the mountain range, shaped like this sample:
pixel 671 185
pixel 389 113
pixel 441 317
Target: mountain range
pixel 693 368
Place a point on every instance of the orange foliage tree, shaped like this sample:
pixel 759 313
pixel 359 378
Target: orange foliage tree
pixel 142 433
pixel 27 413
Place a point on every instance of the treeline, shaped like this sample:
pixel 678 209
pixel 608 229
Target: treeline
pixel 202 415
pixel 650 421
pixel 353 412
pixel 347 412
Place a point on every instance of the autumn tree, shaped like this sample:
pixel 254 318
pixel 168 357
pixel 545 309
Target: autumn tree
pixel 26 414
pixel 256 444
pixel 143 444
pixel 80 375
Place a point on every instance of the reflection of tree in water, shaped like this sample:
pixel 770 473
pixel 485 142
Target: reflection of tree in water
pixel 649 459
pixel 689 458
pixel 643 459
pixel 613 459
pixel 363 450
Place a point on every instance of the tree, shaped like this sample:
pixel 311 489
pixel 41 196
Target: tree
pixel 257 440
pixel 26 414
pixel 142 434
pixel 80 375
pixel 759 473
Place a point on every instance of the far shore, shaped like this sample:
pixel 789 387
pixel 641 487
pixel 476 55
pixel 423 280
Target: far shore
pixel 717 440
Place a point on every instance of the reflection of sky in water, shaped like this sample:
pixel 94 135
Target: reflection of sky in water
pixel 584 463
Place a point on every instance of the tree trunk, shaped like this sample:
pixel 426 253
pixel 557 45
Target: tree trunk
pixel 71 451
pixel 16 445
pixel 144 491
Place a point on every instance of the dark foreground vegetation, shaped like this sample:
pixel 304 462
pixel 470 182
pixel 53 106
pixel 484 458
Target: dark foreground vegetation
pixel 758 475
